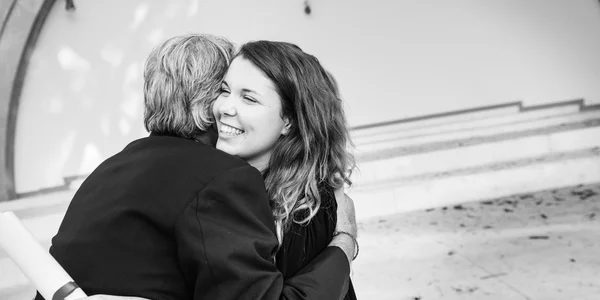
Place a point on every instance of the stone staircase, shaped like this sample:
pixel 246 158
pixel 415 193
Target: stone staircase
pixel 475 154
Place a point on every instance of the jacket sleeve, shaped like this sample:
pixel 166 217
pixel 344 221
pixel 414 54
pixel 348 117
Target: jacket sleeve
pixel 226 245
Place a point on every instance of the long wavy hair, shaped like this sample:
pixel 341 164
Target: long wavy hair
pixel 314 155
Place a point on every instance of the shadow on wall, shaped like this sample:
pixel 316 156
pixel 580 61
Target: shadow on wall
pixel 82 100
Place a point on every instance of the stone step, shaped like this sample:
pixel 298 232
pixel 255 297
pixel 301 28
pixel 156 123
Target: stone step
pixel 384 197
pixel 437 119
pixel 472 156
pixel 481 128
pixel 474 115
pixel 471 141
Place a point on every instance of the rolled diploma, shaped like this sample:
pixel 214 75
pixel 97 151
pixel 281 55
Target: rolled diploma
pixel 36 263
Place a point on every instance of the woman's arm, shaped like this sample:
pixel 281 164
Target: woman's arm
pixel 346 224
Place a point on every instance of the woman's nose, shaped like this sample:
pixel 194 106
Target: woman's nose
pixel 227 107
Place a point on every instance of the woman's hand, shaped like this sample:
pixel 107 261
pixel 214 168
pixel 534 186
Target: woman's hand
pixel 346 223
pixel 346 215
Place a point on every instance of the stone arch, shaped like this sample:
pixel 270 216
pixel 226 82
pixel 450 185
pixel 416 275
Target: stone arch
pixel 22 22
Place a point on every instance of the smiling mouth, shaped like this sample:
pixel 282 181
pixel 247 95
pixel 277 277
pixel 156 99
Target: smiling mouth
pixel 229 130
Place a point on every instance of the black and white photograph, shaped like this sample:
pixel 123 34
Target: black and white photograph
pixel 300 149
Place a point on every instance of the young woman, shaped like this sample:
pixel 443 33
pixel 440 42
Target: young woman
pixel 279 111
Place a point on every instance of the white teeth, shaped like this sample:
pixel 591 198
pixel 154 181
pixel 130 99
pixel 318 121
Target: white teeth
pixel 228 130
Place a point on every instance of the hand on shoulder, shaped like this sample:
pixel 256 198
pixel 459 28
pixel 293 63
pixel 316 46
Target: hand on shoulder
pixel 346 229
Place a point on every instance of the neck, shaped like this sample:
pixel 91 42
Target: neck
pixel 261 166
pixel 261 163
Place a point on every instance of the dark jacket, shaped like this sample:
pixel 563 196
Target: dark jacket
pixel 171 218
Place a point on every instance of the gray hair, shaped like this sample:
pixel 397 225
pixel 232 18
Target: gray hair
pixel 182 79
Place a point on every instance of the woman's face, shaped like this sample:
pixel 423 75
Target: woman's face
pixel 248 114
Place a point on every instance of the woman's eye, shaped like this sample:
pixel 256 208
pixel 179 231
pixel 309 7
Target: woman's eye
pixel 250 99
pixel 224 90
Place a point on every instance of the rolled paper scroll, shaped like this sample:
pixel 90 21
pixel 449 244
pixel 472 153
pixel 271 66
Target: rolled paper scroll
pixel 42 270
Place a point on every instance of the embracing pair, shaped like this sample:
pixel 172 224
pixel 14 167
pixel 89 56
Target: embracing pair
pixel 237 193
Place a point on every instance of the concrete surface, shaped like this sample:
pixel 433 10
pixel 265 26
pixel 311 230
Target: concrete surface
pixel 532 246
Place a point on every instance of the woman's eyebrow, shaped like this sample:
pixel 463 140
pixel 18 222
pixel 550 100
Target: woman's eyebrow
pixel 246 90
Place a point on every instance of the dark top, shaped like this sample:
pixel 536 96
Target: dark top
pixel 171 218
pixel 302 243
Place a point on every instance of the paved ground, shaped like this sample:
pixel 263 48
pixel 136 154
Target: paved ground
pixel 533 246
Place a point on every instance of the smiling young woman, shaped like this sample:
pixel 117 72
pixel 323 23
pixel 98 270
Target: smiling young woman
pixel 279 110
pixel 249 118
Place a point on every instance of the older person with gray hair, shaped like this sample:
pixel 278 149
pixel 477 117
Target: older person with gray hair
pixel 171 217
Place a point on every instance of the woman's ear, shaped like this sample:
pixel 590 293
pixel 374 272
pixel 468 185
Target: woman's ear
pixel 287 125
